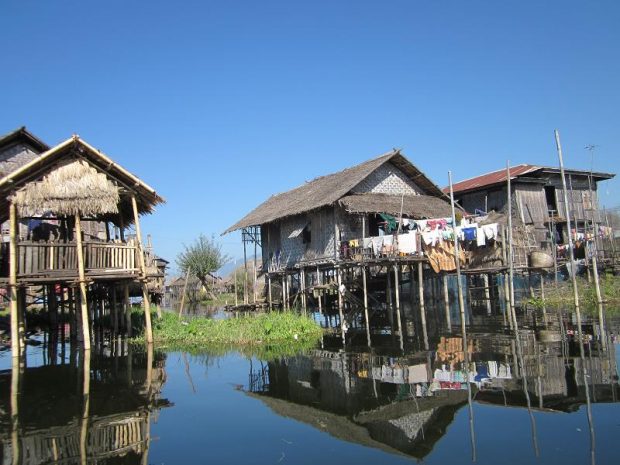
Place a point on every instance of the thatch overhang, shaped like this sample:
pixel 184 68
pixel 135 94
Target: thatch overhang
pixel 24 136
pixel 327 190
pixel 75 178
pixel 418 207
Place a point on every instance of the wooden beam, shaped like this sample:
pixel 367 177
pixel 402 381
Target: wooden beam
pixel 145 292
pixel 82 284
pixel 13 244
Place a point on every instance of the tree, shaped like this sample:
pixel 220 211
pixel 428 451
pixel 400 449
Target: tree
pixel 202 258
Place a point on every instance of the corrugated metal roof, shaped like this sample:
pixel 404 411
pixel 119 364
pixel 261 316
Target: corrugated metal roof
pixel 494 177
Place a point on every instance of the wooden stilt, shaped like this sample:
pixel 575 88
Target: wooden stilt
pixel 284 291
pixel 422 308
pixel 340 303
pixel 145 292
pixel 446 300
pixel 184 292
pixel 114 311
pixel 85 407
pixel 302 289
pixel 366 317
pixel 288 291
pixel 487 293
pixel 127 310
pixel 15 390
pixel 319 281
pixel 510 252
pixel 13 244
pixel 397 299
pixel 269 291
pixel 82 285
pixel 236 291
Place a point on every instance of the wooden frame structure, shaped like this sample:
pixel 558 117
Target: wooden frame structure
pixel 62 188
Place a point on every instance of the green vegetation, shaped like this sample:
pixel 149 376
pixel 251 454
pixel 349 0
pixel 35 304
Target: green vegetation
pixel 219 300
pixel 274 333
pixel 201 258
pixel 563 294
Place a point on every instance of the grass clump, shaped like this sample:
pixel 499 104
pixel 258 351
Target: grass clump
pixel 268 330
pixel 563 293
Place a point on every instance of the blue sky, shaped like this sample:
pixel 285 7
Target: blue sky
pixel 219 104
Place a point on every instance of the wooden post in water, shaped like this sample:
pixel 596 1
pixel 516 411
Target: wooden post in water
pixel 268 291
pixel 15 390
pixel 184 291
pixel 457 261
pixel 446 300
pixel 511 283
pixel 85 406
pixel 422 309
pixel 236 292
pixel 14 237
pixel 397 298
pixel 82 284
pixel 340 303
pixel 145 292
pixel 302 286
pixel 463 323
pixel 366 317
pixel 570 247
pixel 319 281
pixel 127 308
pixel 245 269
pixel 487 292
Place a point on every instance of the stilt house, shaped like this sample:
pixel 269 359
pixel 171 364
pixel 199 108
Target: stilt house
pixel 56 192
pixel 308 225
pixel 538 200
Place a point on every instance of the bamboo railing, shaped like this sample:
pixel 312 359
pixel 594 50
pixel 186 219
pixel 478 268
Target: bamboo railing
pixel 59 259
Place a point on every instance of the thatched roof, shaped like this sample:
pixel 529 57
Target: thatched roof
pixel 327 190
pixel 414 206
pixel 73 189
pixel 74 177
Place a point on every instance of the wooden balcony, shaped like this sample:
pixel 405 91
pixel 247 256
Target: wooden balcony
pixel 57 261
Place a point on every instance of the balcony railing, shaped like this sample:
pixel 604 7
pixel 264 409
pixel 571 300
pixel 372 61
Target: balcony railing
pixel 51 259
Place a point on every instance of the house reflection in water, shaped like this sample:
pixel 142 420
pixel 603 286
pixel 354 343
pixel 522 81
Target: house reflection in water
pixel 100 417
pixel 403 403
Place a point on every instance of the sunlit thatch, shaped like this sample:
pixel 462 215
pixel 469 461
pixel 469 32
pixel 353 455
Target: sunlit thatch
pixel 72 189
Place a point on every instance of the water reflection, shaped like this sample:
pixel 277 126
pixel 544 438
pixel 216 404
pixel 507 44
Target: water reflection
pixel 83 409
pixel 404 401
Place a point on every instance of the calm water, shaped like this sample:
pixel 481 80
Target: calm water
pixel 333 404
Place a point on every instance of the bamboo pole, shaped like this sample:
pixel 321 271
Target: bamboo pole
pixel 446 300
pixel 127 308
pixel 422 308
pixel 570 239
pixel 463 324
pixel 487 292
pixel 236 292
pixel 319 281
pixel 302 289
pixel 145 292
pixel 269 291
pixel 15 390
pixel 397 298
pixel 511 283
pixel 82 284
pixel 13 245
pixel 184 292
pixel 340 303
pixel 85 407
pixel 457 259
pixel 366 317
pixel 245 269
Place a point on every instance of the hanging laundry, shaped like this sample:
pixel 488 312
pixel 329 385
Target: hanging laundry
pixel 490 231
pixel 469 233
pixel 407 243
pixel 480 238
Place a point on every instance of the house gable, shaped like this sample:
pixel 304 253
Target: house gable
pixel 387 179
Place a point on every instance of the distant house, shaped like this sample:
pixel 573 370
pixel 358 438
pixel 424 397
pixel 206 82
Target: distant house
pixel 538 198
pixel 308 225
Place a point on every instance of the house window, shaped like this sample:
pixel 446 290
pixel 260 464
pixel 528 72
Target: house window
pixel 306 235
